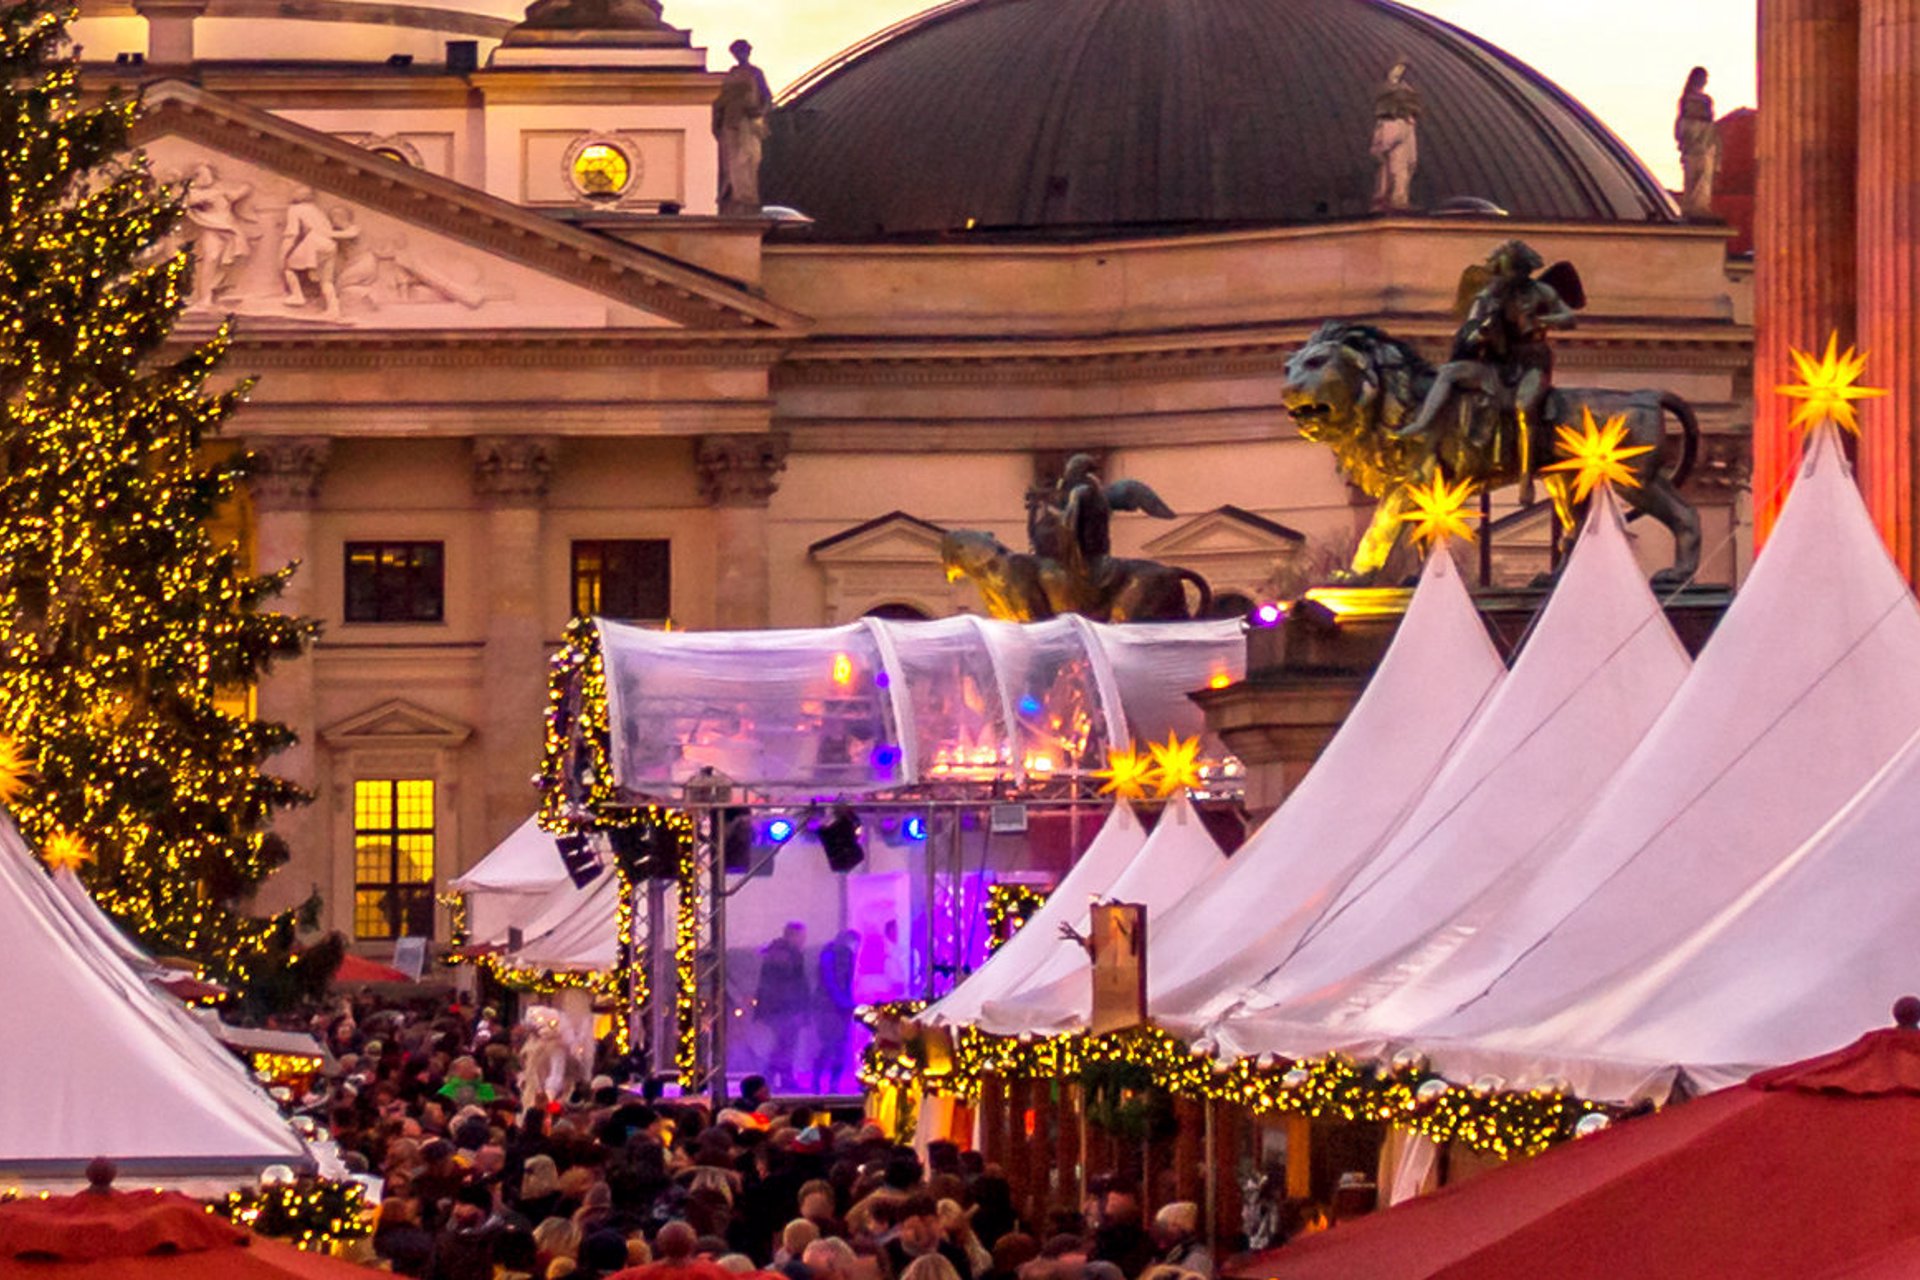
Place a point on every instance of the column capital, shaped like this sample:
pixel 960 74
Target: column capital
pixel 740 471
pixel 284 472
pixel 513 470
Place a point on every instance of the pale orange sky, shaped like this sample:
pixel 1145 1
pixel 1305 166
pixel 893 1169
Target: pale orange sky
pixel 1626 59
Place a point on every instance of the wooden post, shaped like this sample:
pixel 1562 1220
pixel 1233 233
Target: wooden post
pixel 1230 1136
pixel 1191 1118
pixel 1066 1148
pixel 1299 1156
pixel 993 1120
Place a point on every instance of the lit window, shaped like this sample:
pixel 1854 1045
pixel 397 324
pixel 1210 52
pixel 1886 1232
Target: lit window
pixel 601 169
pixel 631 579
pixel 395 582
pixel 394 154
pixel 393 857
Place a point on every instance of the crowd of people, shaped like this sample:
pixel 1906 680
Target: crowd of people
pixel 478 1180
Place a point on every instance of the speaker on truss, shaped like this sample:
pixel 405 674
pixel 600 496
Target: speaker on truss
pixel 580 858
pixel 646 851
pixel 736 841
pixel 840 837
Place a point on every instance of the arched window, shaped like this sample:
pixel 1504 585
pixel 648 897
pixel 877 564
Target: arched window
pixel 896 611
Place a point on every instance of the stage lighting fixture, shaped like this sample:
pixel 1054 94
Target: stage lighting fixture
pixel 1268 615
pixel 646 851
pixel 840 838
pixel 915 827
pixel 780 830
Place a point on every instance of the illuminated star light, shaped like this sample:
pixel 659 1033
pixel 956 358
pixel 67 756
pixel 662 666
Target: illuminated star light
pixel 1176 765
pixel 65 851
pixel 1826 389
pixel 1439 511
pixel 15 768
pixel 1127 775
pixel 1597 455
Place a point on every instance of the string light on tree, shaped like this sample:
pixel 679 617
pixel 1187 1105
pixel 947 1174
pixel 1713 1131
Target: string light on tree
pixel 1828 387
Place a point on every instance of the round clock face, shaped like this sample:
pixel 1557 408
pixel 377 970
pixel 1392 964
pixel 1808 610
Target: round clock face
pixel 602 171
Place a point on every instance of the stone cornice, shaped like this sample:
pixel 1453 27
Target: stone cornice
pixel 458 348
pixel 614 268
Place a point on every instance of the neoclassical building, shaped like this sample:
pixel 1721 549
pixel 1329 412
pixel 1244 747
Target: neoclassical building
pixel 514 366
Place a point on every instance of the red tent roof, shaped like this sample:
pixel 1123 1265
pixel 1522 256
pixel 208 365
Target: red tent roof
pixel 355 968
pixel 144 1235
pixel 1803 1171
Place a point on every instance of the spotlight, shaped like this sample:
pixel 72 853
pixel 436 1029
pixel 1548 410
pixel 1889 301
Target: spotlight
pixel 915 827
pixel 780 830
pixel 840 838
pixel 1268 615
pixel 577 854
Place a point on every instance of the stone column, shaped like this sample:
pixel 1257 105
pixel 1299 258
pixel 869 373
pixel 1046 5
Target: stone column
pixel 738 475
pixel 170 29
pixel 1889 267
pixel 285 485
pixel 1807 152
pixel 510 475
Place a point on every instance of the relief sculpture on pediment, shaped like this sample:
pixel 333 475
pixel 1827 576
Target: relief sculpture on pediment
pixel 270 248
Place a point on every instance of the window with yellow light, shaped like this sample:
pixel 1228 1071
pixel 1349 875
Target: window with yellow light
pixel 600 170
pixel 393 857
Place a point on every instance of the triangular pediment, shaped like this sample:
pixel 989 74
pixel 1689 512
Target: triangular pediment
pixel 1227 530
pixel 895 538
pixel 378 245
pixel 396 722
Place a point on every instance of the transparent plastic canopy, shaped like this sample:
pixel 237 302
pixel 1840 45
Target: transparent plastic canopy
pixel 878 705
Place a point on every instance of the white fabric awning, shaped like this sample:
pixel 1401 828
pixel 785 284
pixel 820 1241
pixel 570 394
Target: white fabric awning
pixel 879 704
pixel 521 880
pixel 1600 666
pixel 1006 971
pixel 1179 854
pixel 1439 671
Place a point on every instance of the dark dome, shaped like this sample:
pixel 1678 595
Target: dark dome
pixel 1091 114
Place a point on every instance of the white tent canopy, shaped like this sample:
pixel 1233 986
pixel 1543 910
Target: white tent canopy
pixel 514 884
pixel 1600 666
pixel 1435 677
pixel 575 930
pixel 1007 970
pixel 878 704
pixel 1177 856
pixel 102 1065
pixel 1809 686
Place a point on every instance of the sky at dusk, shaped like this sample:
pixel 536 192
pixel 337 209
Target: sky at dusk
pixel 1626 59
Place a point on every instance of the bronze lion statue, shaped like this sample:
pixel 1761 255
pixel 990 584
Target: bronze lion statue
pixel 1352 387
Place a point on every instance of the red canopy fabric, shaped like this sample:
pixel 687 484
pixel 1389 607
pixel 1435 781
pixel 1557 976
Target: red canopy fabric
pixel 360 969
pixel 114 1236
pixel 1803 1171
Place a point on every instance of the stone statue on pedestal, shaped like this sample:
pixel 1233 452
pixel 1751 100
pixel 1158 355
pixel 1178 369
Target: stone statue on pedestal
pixel 740 125
pixel 1698 138
pixel 1396 142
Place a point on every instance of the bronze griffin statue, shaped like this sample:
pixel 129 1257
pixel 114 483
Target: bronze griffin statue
pixel 1488 415
pixel 1071 567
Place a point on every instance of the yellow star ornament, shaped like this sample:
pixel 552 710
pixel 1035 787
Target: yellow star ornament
pixel 1128 775
pixel 65 851
pixel 1176 765
pixel 1826 390
pixel 15 769
pixel 1597 455
pixel 1439 511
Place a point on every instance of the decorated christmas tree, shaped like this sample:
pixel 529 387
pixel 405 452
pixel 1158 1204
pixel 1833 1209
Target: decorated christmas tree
pixel 129 634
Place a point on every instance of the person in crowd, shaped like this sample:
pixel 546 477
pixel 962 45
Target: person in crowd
pixel 833 1010
pixel 917 1233
pixel 932 1266
pixel 781 1001
pixel 1176 1232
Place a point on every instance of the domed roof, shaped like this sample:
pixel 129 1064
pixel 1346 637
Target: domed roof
pixel 1087 114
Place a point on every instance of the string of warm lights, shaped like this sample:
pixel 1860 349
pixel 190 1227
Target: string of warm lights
pixel 284 1068
pixel 311 1214
pixel 1010 905
pixel 686 980
pixel 125 626
pixel 1485 1116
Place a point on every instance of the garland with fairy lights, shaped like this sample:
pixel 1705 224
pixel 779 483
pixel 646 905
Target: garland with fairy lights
pixel 686 979
pixel 1009 906
pixel 310 1214
pixel 126 627
pixel 1404 1094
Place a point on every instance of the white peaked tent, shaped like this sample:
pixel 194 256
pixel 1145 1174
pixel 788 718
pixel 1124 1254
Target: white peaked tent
pixel 86 914
pixel 514 884
pixel 575 931
pixel 1435 677
pixel 1180 854
pixel 1809 686
pixel 1597 671
pixel 1113 849
pixel 102 1065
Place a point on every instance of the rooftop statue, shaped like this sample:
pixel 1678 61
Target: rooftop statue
pixel 593 15
pixel 1396 141
pixel 1698 137
pixel 1383 411
pixel 1071 568
pixel 740 126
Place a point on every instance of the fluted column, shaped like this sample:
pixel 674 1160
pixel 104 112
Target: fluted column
pixel 738 475
pixel 284 482
pixel 1804 277
pixel 1889 270
pixel 510 477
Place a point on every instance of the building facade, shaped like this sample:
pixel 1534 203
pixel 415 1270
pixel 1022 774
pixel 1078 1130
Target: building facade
pixel 514 366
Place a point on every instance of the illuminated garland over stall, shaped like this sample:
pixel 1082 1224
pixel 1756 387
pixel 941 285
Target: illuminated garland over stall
pixel 1403 1094
pixel 311 1214
pixel 1009 906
